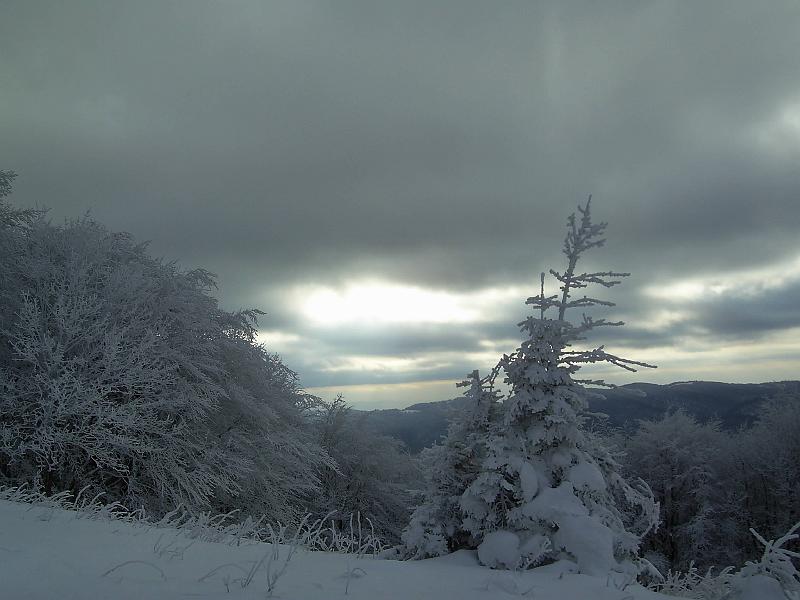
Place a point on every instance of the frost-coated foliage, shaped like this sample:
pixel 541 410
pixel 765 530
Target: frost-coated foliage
pixel 120 372
pixel 773 576
pixel 763 479
pixel 263 420
pixel 678 458
pixel 369 478
pixel 110 374
pixel 714 485
pixel 694 584
pixel 229 528
pixel 437 524
pixel 9 216
pixel 545 478
pixel 775 570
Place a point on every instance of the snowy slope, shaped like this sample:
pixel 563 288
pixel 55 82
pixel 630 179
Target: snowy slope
pixel 51 553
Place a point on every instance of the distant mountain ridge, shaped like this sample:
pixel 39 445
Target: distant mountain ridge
pixel 733 404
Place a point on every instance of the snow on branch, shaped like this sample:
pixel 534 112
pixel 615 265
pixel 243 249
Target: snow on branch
pixel 584 236
pixel 572 357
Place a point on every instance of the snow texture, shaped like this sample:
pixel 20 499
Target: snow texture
pixel 48 553
pixel 500 550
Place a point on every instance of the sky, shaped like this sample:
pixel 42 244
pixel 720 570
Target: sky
pixel 386 180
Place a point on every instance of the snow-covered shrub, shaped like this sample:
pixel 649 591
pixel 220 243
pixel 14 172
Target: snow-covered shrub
pixel 120 372
pixel 437 524
pixel 264 419
pixel 774 576
pixel 546 479
pixel 369 476
pixel 694 584
pixel 500 550
pixel 110 374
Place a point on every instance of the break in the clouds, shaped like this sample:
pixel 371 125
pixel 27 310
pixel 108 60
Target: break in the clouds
pixel 386 180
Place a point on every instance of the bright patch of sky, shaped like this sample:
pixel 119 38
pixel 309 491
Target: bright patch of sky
pixel 366 303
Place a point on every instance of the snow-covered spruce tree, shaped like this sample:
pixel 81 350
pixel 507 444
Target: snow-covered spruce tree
pixel 549 489
pixel 436 525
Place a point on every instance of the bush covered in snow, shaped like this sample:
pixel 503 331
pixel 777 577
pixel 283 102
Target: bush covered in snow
pixel 371 474
pixel 120 372
pixel 773 576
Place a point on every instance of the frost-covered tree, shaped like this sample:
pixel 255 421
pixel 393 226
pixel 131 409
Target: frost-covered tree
pixel 263 421
pixel 109 373
pixel 121 372
pixel 437 524
pixel 680 458
pixel 370 475
pixel 761 483
pixel 549 489
pixel 14 228
pixel 6 181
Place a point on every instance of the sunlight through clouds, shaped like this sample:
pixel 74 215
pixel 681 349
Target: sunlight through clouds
pixel 277 340
pixel 377 303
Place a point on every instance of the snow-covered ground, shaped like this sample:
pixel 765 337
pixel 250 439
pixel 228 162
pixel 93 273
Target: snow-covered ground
pixel 48 553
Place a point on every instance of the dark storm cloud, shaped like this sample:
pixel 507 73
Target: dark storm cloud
pixel 440 144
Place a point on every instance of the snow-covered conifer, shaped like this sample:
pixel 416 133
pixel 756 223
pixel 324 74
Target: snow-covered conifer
pixel 549 489
pixel 437 525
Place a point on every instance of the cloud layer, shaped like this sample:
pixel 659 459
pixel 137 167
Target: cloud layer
pixel 307 150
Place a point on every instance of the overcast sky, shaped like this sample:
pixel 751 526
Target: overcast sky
pixel 387 179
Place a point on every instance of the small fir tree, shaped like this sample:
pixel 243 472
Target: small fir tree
pixel 549 489
pixel 436 526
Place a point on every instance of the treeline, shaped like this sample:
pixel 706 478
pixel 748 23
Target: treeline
pixel 714 485
pixel 120 373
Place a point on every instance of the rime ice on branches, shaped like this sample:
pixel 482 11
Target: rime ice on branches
pixel 548 489
pixel 437 524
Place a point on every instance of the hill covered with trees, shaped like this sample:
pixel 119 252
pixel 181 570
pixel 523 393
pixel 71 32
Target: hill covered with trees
pixel 734 405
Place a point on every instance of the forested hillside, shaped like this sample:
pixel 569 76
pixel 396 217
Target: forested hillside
pixel 733 404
